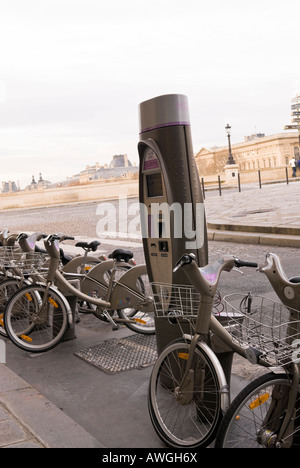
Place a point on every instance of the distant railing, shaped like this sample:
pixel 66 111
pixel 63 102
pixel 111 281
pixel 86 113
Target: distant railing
pixel 219 187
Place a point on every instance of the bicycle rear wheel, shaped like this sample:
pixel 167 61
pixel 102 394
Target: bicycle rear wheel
pixel 140 321
pixel 189 418
pixel 244 425
pixel 36 318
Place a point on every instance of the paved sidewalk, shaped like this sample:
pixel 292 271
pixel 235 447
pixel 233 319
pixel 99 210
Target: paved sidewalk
pixel 270 215
pixel 29 420
pixel 267 215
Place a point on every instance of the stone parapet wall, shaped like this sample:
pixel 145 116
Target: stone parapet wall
pixel 63 195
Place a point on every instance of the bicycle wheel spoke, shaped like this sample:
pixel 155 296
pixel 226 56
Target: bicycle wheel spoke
pixel 255 416
pixel 184 415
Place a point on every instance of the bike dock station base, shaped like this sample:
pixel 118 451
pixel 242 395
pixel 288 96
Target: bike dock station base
pixel 71 332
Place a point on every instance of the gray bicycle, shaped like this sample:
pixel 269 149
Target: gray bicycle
pixel 188 391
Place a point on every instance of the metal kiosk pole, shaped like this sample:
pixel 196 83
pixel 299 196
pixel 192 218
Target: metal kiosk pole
pixel 172 208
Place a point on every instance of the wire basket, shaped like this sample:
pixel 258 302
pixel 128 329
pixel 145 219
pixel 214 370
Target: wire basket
pixel 178 304
pixel 14 258
pixel 267 326
pixel 175 301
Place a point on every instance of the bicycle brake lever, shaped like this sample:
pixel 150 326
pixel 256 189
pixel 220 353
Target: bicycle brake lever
pixel 185 259
pixel 238 270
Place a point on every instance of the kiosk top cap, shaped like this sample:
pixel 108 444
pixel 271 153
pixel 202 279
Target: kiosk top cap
pixel 164 111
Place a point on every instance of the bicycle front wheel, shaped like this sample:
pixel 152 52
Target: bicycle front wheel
pixel 185 417
pixel 245 425
pixel 36 318
pixel 7 289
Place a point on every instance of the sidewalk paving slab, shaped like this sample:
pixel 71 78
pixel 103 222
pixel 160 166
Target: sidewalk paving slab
pixel 31 420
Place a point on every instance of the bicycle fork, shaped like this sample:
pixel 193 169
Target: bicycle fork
pixel 192 383
pixel 184 393
pixel 278 425
pixel 43 311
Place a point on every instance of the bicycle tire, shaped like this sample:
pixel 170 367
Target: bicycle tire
pixel 31 327
pixel 242 424
pixel 8 288
pixel 187 425
pixel 144 321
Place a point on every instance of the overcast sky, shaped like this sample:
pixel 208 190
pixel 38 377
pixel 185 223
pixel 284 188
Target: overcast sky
pixel 73 73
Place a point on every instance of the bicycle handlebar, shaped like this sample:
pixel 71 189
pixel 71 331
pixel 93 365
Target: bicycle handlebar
pixel 188 258
pixel 60 237
pixel 206 279
pixel 241 263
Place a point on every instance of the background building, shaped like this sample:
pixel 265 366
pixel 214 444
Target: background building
pixel 7 187
pixel 270 154
pixel 120 166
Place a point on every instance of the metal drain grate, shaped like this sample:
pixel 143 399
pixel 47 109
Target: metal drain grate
pixel 112 356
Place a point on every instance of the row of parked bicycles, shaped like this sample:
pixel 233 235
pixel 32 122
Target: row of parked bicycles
pixel 189 394
pixel 38 287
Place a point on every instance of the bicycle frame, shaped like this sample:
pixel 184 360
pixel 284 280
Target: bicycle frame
pixel 114 291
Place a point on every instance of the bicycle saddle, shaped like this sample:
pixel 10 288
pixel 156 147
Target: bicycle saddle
pixel 121 255
pixel 89 245
pixel 64 257
pixel 295 279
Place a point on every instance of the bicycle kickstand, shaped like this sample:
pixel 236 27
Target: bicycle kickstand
pixel 114 325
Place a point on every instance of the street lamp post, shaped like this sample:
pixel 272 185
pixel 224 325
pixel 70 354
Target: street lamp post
pixel 295 107
pixel 230 159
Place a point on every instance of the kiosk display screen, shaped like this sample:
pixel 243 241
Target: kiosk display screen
pixel 154 185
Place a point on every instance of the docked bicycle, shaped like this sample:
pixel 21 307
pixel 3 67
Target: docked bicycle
pixel 188 391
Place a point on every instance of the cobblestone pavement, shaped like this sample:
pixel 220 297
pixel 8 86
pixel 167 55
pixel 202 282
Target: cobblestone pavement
pixel 273 205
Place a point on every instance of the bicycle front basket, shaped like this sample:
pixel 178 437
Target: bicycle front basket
pixel 175 300
pixel 265 325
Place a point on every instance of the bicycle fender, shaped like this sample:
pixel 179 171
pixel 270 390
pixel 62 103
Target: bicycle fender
pixel 95 284
pixel 126 292
pixel 224 387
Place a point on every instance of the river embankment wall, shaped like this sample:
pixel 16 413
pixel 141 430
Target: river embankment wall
pixel 73 194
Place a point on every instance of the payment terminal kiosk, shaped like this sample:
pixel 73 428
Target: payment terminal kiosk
pixel 171 203
pixel 172 209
